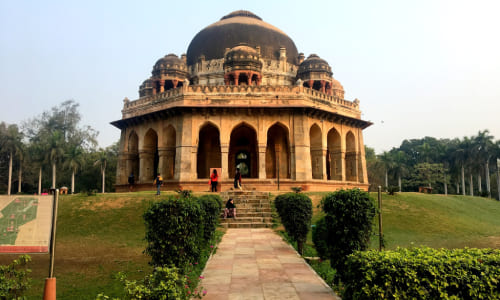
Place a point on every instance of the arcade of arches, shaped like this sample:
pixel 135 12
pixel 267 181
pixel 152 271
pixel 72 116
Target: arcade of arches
pixel 263 150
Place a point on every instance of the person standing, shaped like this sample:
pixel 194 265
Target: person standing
pixel 131 181
pixel 213 180
pixel 159 182
pixel 237 179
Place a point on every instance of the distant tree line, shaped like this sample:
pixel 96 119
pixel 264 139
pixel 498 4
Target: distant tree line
pixel 52 150
pixel 465 166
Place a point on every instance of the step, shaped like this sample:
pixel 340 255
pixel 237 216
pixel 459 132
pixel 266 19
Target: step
pixel 242 219
pixel 246 225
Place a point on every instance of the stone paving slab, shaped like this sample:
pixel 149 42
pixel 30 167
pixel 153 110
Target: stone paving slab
pixel 255 263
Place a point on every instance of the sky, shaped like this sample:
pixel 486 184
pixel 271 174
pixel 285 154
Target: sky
pixel 419 68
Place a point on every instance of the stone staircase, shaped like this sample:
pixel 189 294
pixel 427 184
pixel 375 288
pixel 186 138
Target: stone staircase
pixel 253 209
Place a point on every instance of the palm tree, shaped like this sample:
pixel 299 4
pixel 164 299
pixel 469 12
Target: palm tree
pixel 36 155
pixel 74 160
pixel 485 150
pixel 11 142
pixel 20 154
pixel 399 165
pixel 102 161
pixel 55 151
pixel 388 163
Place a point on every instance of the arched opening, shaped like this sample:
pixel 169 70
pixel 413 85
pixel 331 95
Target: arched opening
pixel 209 153
pixel 149 156
pixel 168 155
pixel 317 85
pixel 243 79
pixel 334 156
pixel 133 152
pixel 350 158
pixel 243 150
pixel 277 152
pixel 316 148
pixel 255 79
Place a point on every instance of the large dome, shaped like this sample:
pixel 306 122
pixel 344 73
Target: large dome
pixel 236 28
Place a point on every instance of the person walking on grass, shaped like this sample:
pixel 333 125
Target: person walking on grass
pixel 159 182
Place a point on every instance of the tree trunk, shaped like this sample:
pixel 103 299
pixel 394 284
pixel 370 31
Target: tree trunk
pixel 73 182
pixel 488 183
pixel 19 178
pixel 40 182
pixel 471 185
pixel 9 185
pixel 463 180
pixel 445 185
pixel 386 181
pixel 458 188
pixel 103 178
pixel 479 183
pixel 498 183
pixel 53 174
pixel 399 182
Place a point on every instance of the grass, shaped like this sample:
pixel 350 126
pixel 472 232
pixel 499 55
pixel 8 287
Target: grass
pixel 99 236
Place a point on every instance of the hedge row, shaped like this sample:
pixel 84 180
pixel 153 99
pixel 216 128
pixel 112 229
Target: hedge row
pixel 295 211
pixel 178 228
pixel 423 273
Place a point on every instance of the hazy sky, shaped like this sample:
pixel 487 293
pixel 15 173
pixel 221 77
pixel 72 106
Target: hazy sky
pixel 419 68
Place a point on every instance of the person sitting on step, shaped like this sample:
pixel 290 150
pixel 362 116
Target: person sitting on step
pixel 230 210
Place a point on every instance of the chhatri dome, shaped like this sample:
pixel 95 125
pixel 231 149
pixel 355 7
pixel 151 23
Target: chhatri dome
pixel 242 97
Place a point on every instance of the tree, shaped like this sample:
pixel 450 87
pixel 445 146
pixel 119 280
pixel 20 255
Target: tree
pixel 55 152
pixel 11 143
pixel 74 161
pixel 427 174
pixel 387 161
pixel 485 150
pixel 399 169
pixel 102 162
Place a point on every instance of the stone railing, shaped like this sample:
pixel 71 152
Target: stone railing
pixel 264 90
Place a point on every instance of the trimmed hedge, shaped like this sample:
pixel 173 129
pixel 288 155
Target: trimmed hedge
pixel 295 212
pixel 423 273
pixel 346 226
pixel 177 229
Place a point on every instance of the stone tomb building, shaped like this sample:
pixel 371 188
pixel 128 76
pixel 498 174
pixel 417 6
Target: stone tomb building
pixel 242 96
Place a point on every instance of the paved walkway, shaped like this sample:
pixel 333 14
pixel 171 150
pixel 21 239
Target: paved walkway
pixel 255 263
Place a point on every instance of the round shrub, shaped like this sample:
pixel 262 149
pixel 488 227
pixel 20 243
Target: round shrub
pixel 295 211
pixel 348 224
pixel 174 232
pixel 211 206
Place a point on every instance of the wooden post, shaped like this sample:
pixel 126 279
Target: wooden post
pixel 49 292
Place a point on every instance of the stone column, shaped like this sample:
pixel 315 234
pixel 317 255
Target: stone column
pixel 162 86
pixel 165 162
pixel 302 150
pixel 175 82
pixel 146 166
pixel 323 152
pixel 323 83
pixel 236 77
pixel 310 83
pixel 121 169
pixel 363 174
pixel 343 165
pixel 262 161
pixel 224 148
pixel 185 167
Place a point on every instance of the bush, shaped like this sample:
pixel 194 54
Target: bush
pixel 391 190
pixel 423 273
pixel 174 232
pixel 163 283
pixel 347 225
pixel 14 278
pixel 211 206
pixel 295 211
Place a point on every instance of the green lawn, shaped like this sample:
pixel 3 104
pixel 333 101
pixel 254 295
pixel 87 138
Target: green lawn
pixel 98 236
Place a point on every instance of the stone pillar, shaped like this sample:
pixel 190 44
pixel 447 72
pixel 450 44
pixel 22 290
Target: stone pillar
pixel 175 82
pixel 363 174
pixel 323 83
pixel 224 148
pixel 302 150
pixel 343 165
pixel 310 83
pixel 185 167
pixel 262 161
pixel 166 162
pixel 162 86
pixel 227 79
pixel 121 168
pixel 155 83
pixel 323 152
pixel 146 165
pixel 236 77
pixel 249 78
